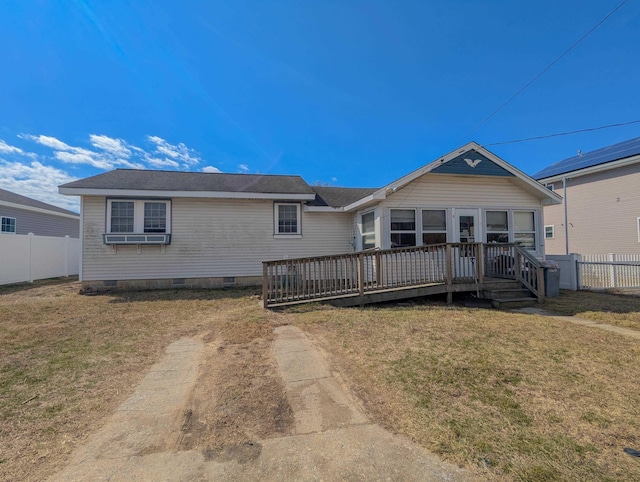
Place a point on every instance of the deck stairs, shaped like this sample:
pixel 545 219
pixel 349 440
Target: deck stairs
pixel 511 295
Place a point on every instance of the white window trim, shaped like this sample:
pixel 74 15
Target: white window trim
pixel 553 231
pixel 510 226
pixel 362 232
pixel 138 214
pixel 15 225
pixel 415 218
pixel 537 237
pixel 446 225
pixel 276 221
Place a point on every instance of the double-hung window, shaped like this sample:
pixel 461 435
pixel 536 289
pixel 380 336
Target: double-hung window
pixel 368 230
pixel 403 227
pixel 138 216
pixel 549 232
pixel 434 226
pixel 8 225
pixel 524 231
pixel 497 224
pixel 287 219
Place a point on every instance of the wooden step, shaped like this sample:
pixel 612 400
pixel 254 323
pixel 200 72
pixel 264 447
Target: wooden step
pixel 506 294
pixel 511 303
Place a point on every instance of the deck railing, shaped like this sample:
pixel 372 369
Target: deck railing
pixel 329 277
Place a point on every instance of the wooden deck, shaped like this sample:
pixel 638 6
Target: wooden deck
pixel 385 275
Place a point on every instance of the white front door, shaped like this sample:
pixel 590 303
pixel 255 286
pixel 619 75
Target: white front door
pixel 467 226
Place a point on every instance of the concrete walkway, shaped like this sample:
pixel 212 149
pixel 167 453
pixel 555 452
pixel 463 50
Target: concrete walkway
pixel 333 439
pixel 582 321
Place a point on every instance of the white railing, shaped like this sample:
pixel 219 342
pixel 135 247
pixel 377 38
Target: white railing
pixel 25 257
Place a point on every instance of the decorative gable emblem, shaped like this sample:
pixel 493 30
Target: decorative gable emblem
pixel 473 163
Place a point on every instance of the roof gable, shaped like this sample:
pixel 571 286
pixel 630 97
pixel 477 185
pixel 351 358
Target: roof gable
pixel 472 163
pixel 615 152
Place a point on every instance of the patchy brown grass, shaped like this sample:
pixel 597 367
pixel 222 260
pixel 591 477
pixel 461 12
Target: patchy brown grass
pixel 612 308
pixel 67 361
pixel 512 396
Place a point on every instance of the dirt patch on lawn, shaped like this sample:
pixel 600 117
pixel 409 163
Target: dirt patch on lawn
pixel 239 398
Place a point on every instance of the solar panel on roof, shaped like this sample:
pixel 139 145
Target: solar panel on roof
pixel 614 152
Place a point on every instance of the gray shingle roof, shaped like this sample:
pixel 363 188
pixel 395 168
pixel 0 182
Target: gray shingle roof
pixel 134 179
pixel 615 152
pixel 339 196
pixel 12 197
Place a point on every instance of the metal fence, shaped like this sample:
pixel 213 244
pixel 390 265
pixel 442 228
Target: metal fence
pixel 608 271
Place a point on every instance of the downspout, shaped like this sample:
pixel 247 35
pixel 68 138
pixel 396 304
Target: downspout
pixel 566 218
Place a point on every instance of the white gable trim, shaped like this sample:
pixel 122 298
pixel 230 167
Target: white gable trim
pixel 39 210
pixel 548 196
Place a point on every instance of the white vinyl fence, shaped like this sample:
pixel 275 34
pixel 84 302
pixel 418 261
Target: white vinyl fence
pixel 609 271
pixel 28 257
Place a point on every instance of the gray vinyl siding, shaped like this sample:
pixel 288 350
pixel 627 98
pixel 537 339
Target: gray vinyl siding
pixel 602 213
pixel 42 224
pixel 210 238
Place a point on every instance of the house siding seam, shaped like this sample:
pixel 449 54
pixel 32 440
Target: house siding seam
pixel 602 210
pixel 210 239
pixel 42 224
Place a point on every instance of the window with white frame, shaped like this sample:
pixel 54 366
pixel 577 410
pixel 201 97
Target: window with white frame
pixel 524 231
pixel 287 218
pixel 549 232
pixel 368 222
pixel 8 225
pixel 497 226
pixel 403 227
pixel 434 226
pixel 138 216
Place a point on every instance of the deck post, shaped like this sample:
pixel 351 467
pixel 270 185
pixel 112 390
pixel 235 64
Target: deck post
pixel 378 269
pixel 265 286
pixel 361 277
pixel 449 274
pixel 480 263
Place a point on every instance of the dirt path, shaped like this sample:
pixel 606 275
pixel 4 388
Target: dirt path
pixel 316 433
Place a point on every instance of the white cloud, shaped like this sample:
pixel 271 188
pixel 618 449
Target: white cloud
pixel 243 167
pixel 210 169
pixel 117 147
pixel 6 148
pixel 37 181
pixel 334 179
pixel 48 141
pixel 177 152
pixel 156 162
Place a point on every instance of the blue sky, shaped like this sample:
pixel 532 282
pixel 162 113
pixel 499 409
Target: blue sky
pixel 346 93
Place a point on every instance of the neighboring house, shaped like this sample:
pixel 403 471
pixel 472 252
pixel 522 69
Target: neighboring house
pixel 23 215
pixel 164 229
pixel 600 212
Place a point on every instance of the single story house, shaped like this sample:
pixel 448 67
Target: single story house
pixel 600 212
pixel 165 229
pixel 23 215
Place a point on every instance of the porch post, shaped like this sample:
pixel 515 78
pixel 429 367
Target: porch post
pixel 480 262
pixel 265 286
pixel 449 274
